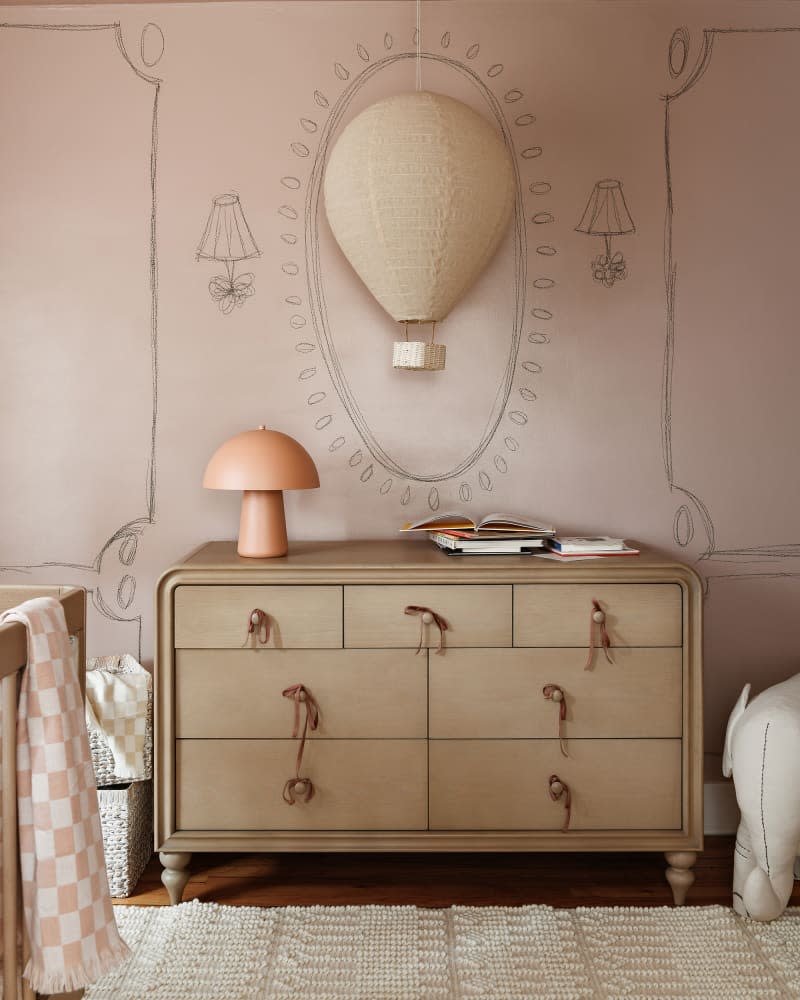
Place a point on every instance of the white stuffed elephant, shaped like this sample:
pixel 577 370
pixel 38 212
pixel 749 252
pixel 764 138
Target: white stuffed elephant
pixel 762 752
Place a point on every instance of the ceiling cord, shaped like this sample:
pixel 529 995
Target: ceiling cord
pixel 419 45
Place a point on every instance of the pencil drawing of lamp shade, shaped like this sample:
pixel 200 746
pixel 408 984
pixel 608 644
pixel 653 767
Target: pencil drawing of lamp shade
pixel 227 239
pixel 262 463
pixel 607 215
pixel 419 190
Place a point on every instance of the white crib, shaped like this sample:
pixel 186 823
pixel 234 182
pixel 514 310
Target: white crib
pixel 13 659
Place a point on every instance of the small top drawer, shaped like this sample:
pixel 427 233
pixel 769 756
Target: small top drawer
pixel 374 617
pixel 561 614
pixel 218 617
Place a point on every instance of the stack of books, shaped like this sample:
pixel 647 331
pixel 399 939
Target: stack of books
pixel 495 534
pixel 574 547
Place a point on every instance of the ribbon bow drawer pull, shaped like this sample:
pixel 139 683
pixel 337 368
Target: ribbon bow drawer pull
pixel 560 789
pixel 428 616
pixel 257 625
pixel 598 618
pixel 299 787
pixel 557 694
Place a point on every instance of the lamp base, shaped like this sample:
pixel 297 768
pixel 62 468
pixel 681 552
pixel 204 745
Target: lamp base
pixel 262 528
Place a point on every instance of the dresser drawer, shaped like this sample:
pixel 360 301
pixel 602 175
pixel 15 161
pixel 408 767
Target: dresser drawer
pixel 496 693
pixel 359 785
pixel 560 614
pixel 504 784
pixel 476 615
pixel 361 693
pixel 218 617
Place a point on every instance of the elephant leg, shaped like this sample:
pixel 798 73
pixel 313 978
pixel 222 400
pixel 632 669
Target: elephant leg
pixel 766 775
pixel 744 862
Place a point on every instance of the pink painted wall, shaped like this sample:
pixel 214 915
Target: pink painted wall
pixel 662 408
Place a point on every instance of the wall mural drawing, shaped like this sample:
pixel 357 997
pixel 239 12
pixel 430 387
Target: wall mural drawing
pixel 370 448
pixel 151 45
pixel 733 213
pixel 228 240
pixel 606 214
pixel 105 508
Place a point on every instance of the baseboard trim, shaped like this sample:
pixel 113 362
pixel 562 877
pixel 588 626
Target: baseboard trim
pixel 720 811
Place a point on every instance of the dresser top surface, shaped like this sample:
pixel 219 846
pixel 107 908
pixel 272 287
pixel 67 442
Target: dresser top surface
pixel 404 556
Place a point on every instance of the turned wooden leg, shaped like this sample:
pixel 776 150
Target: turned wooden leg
pixel 175 874
pixel 679 874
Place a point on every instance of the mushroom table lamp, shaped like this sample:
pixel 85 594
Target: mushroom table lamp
pixel 262 464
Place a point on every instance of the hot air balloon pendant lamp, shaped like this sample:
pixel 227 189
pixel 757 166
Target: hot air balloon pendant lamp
pixel 261 463
pixel 419 190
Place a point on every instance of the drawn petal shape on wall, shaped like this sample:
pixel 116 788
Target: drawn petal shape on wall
pixel 151 44
pixel 419 191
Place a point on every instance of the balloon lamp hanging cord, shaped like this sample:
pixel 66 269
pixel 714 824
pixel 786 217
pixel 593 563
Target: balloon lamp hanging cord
pixel 419 45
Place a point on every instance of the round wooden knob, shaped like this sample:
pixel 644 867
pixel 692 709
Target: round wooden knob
pixel 301 696
pixel 427 617
pixel 558 695
pixel 599 617
pixel 556 787
pixel 255 617
pixel 300 788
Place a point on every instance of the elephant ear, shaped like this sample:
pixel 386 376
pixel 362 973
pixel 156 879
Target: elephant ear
pixel 736 714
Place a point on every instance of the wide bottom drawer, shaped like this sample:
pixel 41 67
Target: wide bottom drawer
pixel 504 784
pixel 359 785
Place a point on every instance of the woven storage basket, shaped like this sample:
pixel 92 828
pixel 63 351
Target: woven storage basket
pixel 102 758
pixel 126 815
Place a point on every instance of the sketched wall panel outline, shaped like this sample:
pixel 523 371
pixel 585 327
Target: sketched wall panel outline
pixel 127 532
pixel 761 540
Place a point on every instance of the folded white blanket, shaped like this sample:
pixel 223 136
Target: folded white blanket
pixel 116 707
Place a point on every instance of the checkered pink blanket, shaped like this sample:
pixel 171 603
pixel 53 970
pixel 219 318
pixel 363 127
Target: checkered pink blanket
pixel 68 914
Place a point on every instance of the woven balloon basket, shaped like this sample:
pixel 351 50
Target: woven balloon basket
pixel 417 356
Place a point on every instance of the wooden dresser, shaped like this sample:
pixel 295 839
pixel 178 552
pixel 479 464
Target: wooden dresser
pixel 457 745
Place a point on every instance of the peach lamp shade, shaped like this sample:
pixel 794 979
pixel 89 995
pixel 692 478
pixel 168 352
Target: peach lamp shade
pixel 261 463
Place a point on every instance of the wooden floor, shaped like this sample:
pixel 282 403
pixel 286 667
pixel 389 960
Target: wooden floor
pixel 444 879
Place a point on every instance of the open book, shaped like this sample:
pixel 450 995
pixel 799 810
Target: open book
pixel 505 523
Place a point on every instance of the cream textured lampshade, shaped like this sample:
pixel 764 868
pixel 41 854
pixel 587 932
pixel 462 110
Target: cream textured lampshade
pixel 419 190
pixel 261 463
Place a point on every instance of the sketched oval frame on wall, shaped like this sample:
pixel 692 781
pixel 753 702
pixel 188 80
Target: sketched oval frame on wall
pixel 364 453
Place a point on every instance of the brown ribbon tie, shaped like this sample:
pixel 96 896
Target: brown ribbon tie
pixel 598 617
pixel 556 694
pixel 258 625
pixel 426 617
pixel 557 789
pixel 298 787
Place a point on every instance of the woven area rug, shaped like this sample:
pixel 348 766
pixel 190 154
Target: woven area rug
pixel 203 951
